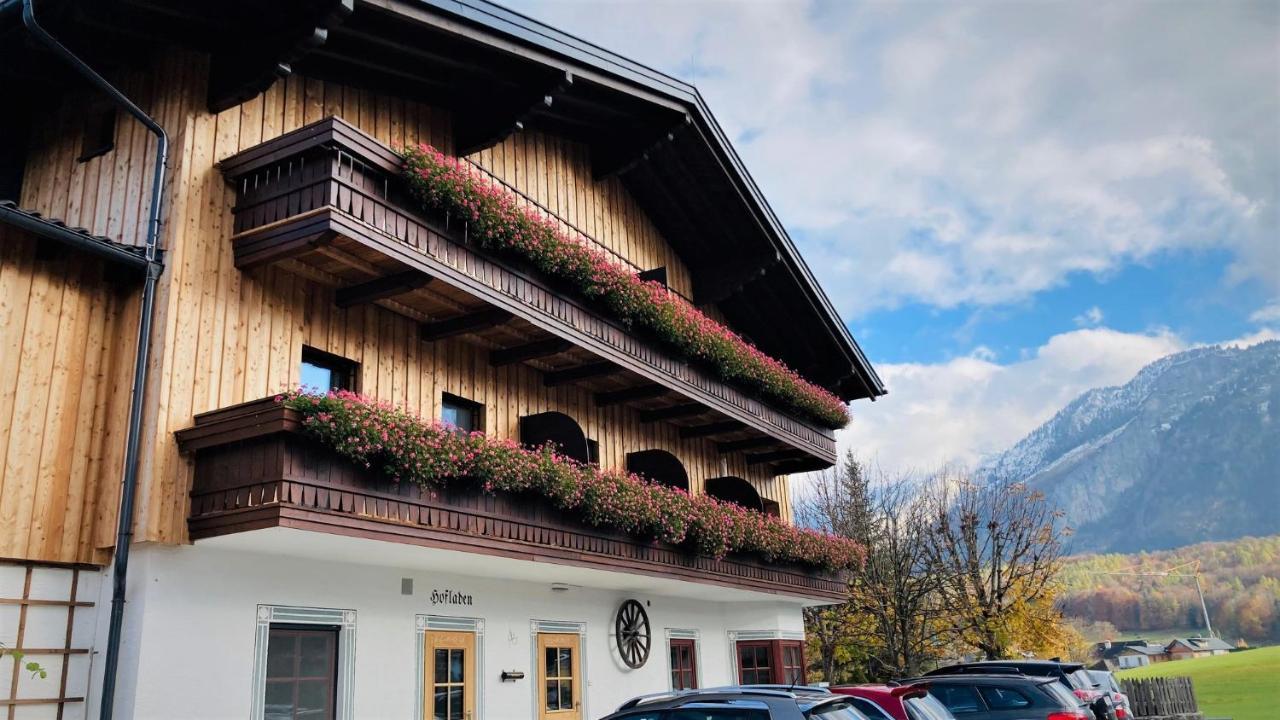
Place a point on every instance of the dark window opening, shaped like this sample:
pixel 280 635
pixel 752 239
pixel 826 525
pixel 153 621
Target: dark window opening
pixel 735 490
pixel 324 371
pixel 463 414
pixel 15 127
pixel 684 672
pixel 771 507
pixel 659 466
pixel 302 673
pixel 658 275
pixel 561 431
pixel 98 134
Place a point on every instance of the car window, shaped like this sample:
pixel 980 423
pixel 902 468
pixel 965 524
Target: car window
pixel 870 709
pixel 1080 680
pixel 1001 698
pixel 926 708
pixel 643 715
pixel 1061 695
pixel 957 698
pixel 843 710
pixel 718 714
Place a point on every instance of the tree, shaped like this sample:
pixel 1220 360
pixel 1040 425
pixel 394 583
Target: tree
pixel 996 548
pixel 893 599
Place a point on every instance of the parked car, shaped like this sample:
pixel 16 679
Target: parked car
pixel 746 702
pixel 1072 676
pixel 1004 696
pixel 895 702
pixel 1108 683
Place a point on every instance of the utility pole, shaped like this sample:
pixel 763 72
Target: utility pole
pixel 1173 573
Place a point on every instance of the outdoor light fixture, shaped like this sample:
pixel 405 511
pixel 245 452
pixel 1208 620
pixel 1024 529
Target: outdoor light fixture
pixel 560 587
pixel 512 675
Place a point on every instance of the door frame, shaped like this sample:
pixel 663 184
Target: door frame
pixel 441 623
pixel 343 620
pixel 557 627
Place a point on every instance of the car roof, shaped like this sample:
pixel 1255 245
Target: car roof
pixel 806 697
pixel 982 678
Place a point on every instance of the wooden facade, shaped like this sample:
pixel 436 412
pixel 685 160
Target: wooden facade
pixel 66 350
pixel 225 336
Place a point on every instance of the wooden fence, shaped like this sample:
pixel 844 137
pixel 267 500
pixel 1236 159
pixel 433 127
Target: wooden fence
pixel 1171 697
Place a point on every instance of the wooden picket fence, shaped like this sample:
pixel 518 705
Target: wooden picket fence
pixel 1163 698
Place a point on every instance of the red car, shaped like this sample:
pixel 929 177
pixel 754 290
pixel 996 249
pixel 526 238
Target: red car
pixel 896 702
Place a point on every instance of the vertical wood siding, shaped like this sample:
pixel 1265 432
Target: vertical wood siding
pixel 66 352
pixel 224 336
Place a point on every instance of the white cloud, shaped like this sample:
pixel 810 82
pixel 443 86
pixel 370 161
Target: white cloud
pixel 1088 318
pixel 1267 314
pixel 982 153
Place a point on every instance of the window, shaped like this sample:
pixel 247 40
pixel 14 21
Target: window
pixel 792 663
pixel 755 663
pixel 462 413
pixel 98 134
pixel 957 698
pixel 736 713
pixel 684 674
pixel 999 698
pixel 325 371
pixel 870 709
pixel 770 662
pixel 302 671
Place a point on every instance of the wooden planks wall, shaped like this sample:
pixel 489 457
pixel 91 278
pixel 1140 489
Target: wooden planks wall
pixel 224 336
pixel 66 362
pixel 557 173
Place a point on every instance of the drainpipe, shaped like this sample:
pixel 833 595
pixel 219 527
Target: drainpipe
pixel 129 480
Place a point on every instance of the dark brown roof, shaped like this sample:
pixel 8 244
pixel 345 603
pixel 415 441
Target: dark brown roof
pixel 78 237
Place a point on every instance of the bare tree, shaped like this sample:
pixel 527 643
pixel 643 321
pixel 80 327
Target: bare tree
pixel 996 548
pixel 890 612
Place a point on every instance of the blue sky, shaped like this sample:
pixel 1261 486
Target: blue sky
pixel 1009 203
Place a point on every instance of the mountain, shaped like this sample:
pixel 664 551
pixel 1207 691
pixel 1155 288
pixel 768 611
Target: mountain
pixel 1186 451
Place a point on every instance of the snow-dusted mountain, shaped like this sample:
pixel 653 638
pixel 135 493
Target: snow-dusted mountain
pixel 1187 451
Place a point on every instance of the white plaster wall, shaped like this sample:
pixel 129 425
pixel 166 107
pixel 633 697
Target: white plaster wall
pixel 192 616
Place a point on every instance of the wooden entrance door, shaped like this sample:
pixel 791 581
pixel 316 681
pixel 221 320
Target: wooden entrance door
pixel 450 675
pixel 559 676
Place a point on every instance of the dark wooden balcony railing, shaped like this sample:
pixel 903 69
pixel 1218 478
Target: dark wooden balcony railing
pixel 327 201
pixel 254 468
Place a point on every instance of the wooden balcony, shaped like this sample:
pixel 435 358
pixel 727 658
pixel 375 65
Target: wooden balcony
pixel 255 469
pixel 326 202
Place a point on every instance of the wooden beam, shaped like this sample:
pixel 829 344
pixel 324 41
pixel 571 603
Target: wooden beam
pixel 582 372
pixel 775 456
pixel 471 322
pixel 716 428
pixel 504 116
pixel 639 392
pixel 748 444
pixel 381 288
pixel 528 351
pixel 673 412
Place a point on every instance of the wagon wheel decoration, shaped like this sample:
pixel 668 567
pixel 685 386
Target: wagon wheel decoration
pixel 634 637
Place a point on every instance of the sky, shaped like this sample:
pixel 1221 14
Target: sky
pixel 1008 202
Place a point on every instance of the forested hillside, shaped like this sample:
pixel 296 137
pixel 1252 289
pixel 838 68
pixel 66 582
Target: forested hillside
pixel 1241 581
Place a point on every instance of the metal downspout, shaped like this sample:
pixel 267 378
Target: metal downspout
pixel 133 441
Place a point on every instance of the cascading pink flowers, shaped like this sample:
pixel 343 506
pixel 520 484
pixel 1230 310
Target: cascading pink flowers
pixel 500 223
pixel 380 437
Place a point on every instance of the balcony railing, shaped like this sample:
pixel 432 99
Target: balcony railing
pixel 254 469
pixel 327 200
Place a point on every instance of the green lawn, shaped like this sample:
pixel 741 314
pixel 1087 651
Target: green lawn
pixel 1243 685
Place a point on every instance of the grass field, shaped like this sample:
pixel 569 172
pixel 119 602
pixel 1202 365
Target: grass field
pixel 1242 686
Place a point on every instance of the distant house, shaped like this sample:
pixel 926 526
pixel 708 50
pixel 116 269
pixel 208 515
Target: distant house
pixel 1122 654
pixel 1196 647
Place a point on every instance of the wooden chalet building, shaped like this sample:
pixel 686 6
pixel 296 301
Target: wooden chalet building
pixel 205 204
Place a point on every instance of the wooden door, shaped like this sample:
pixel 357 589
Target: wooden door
pixel 450 675
pixel 559 676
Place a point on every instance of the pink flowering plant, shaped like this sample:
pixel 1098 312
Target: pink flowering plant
pixel 500 223
pixel 405 448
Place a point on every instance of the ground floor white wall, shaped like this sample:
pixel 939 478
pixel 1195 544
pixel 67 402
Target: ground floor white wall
pixel 193 612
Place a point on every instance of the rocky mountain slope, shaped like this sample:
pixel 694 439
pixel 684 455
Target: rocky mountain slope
pixel 1187 451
